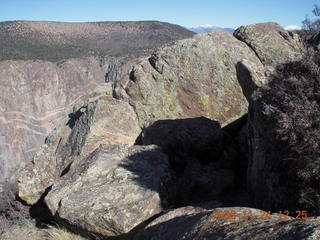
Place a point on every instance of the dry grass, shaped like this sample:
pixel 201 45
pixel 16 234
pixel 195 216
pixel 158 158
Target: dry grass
pixel 56 233
pixel 26 230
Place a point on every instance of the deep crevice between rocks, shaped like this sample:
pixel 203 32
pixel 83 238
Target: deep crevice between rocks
pixel 40 212
pixel 74 117
pixel 230 156
pixel 249 46
pixel 66 170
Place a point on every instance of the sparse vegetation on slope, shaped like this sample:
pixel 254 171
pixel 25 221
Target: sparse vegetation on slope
pixel 55 41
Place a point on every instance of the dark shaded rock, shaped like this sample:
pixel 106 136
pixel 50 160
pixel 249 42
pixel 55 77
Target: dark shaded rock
pixel 248 79
pixel 235 127
pixel 204 157
pixel 199 138
pixel 193 223
pixel 199 183
pixel 238 141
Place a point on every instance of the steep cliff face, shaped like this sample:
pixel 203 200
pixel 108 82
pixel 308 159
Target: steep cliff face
pixel 35 96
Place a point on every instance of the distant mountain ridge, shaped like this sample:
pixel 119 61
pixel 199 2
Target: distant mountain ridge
pixel 54 41
pixel 208 28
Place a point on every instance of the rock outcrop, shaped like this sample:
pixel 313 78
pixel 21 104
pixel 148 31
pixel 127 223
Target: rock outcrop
pixel 272 44
pixel 191 78
pixel 228 223
pixel 104 120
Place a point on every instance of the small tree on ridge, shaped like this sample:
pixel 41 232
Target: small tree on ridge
pixel 308 24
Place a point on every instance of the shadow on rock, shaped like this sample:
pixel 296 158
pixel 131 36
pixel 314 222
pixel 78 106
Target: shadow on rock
pixel 185 140
pixel 150 169
pixel 207 161
pixel 246 79
pixel 40 212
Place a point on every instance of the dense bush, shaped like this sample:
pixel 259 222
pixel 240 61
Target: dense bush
pixel 290 108
pixel 312 24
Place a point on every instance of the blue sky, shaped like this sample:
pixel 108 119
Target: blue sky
pixel 223 13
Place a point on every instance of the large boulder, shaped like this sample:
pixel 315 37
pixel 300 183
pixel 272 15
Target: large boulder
pixel 103 120
pixel 191 78
pixel 283 171
pixel 271 43
pixel 113 189
pixel 227 223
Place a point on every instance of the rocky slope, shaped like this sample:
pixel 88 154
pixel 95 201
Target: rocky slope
pixel 168 151
pixel 47 67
